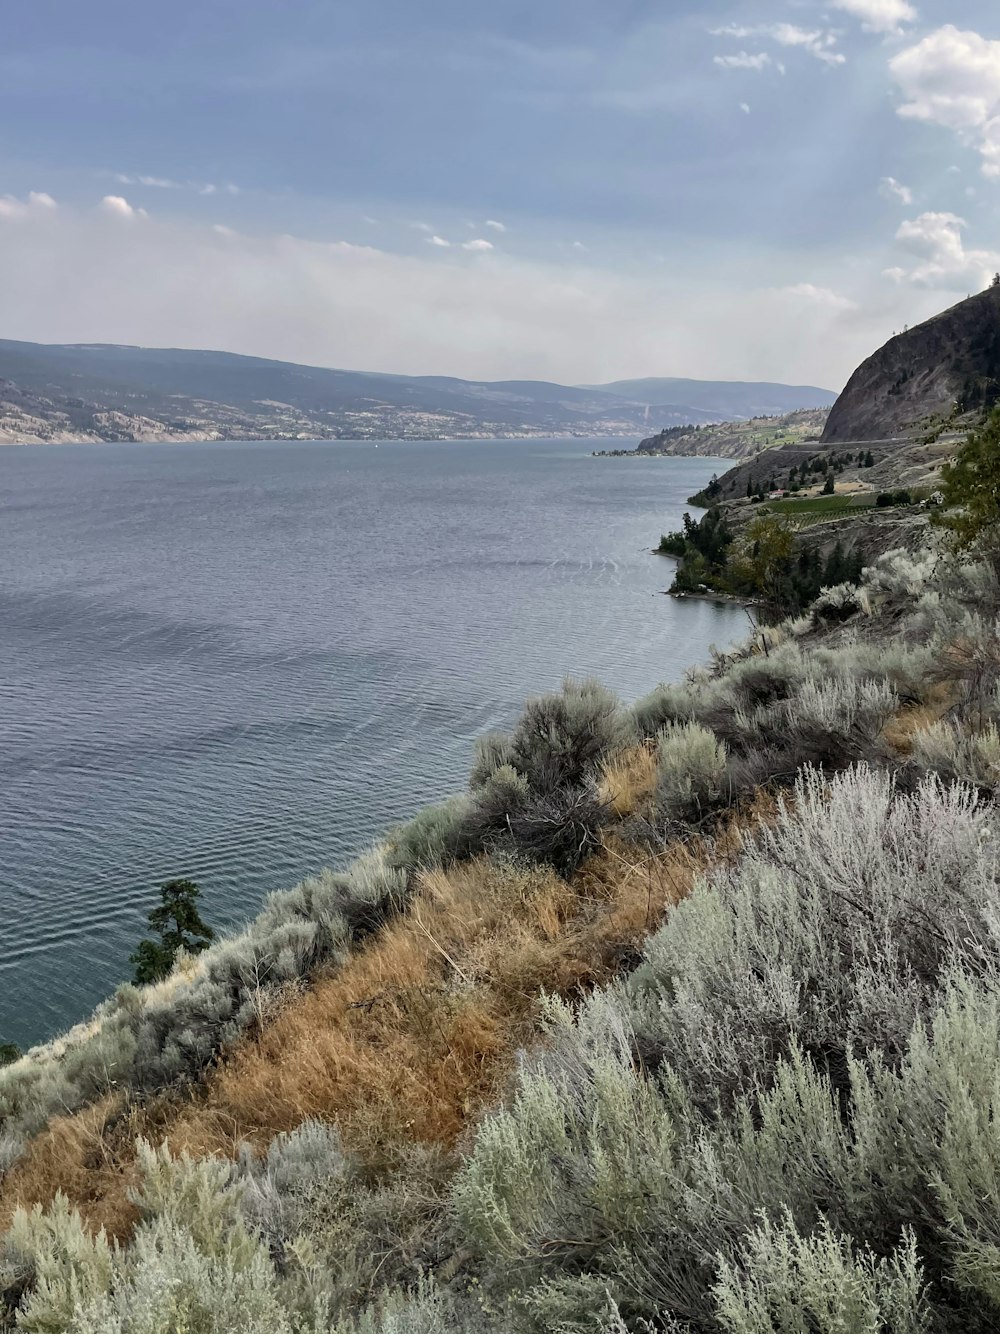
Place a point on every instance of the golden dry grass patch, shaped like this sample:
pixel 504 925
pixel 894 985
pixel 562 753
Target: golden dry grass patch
pixel 628 779
pixel 77 1155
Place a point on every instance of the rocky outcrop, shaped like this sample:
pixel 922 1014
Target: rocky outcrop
pixel 939 371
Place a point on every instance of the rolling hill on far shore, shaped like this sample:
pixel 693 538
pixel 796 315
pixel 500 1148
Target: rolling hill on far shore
pixel 80 392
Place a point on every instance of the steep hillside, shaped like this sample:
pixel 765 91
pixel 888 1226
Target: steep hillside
pixel 682 1017
pixel 737 440
pixel 103 392
pixel 938 371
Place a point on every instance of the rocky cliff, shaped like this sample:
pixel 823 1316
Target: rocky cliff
pixel 941 370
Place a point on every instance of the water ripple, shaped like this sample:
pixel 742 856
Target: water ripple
pixel 243 662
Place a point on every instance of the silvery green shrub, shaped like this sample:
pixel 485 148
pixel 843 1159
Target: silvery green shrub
pixel 948 749
pixel 839 603
pixel 690 771
pixel 786 1283
pixel 832 930
pixel 492 751
pixel 664 705
pixel 564 1176
pixel 436 835
pixel 429 1309
pixel 49 1255
pixel 278 1187
pixel 560 738
pixel 902 574
pixel 811 1057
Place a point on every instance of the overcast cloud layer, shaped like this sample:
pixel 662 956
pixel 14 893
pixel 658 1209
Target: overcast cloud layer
pixel 598 191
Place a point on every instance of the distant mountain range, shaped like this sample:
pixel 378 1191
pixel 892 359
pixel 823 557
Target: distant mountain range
pixel 80 392
pixel 730 400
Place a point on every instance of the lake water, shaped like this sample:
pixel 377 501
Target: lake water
pixel 241 662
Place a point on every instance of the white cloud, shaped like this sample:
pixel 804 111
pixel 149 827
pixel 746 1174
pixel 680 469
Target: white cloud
pixel 421 227
pixel 737 31
pixel 478 245
pixel 759 60
pixel 879 15
pixel 821 296
pixel 438 241
pixel 745 108
pixel 890 188
pixel 935 241
pixel 120 207
pixel 165 183
pixel 819 43
pixel 579 247
pixel 221 230
pixel 952 78
pixel 36 204
pixel 497 226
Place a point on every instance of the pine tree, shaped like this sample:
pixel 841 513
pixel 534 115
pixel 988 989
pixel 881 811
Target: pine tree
pixel 180 928
pixel 971 488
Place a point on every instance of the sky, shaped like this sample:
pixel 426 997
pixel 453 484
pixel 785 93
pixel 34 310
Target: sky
pixel 578 190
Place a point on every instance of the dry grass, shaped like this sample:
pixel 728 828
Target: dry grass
pixel 75 1154
pixel 404 1043
pixel 628 779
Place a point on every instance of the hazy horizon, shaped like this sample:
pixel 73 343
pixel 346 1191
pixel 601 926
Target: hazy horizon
pixel 739 191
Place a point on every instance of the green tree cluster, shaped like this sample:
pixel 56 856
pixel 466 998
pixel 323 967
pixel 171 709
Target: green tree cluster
pixel 702 548
pixel 762 563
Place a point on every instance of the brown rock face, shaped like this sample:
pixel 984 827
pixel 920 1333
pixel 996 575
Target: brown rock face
pixel 952 360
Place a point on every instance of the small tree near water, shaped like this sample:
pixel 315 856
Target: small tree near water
pixel 180 927
pixel 9 1053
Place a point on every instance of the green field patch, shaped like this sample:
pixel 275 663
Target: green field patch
pixel 822 504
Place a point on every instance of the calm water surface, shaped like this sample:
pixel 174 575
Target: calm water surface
pixel 240 662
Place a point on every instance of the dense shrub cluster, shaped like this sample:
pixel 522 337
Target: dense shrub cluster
pixel 784 1118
